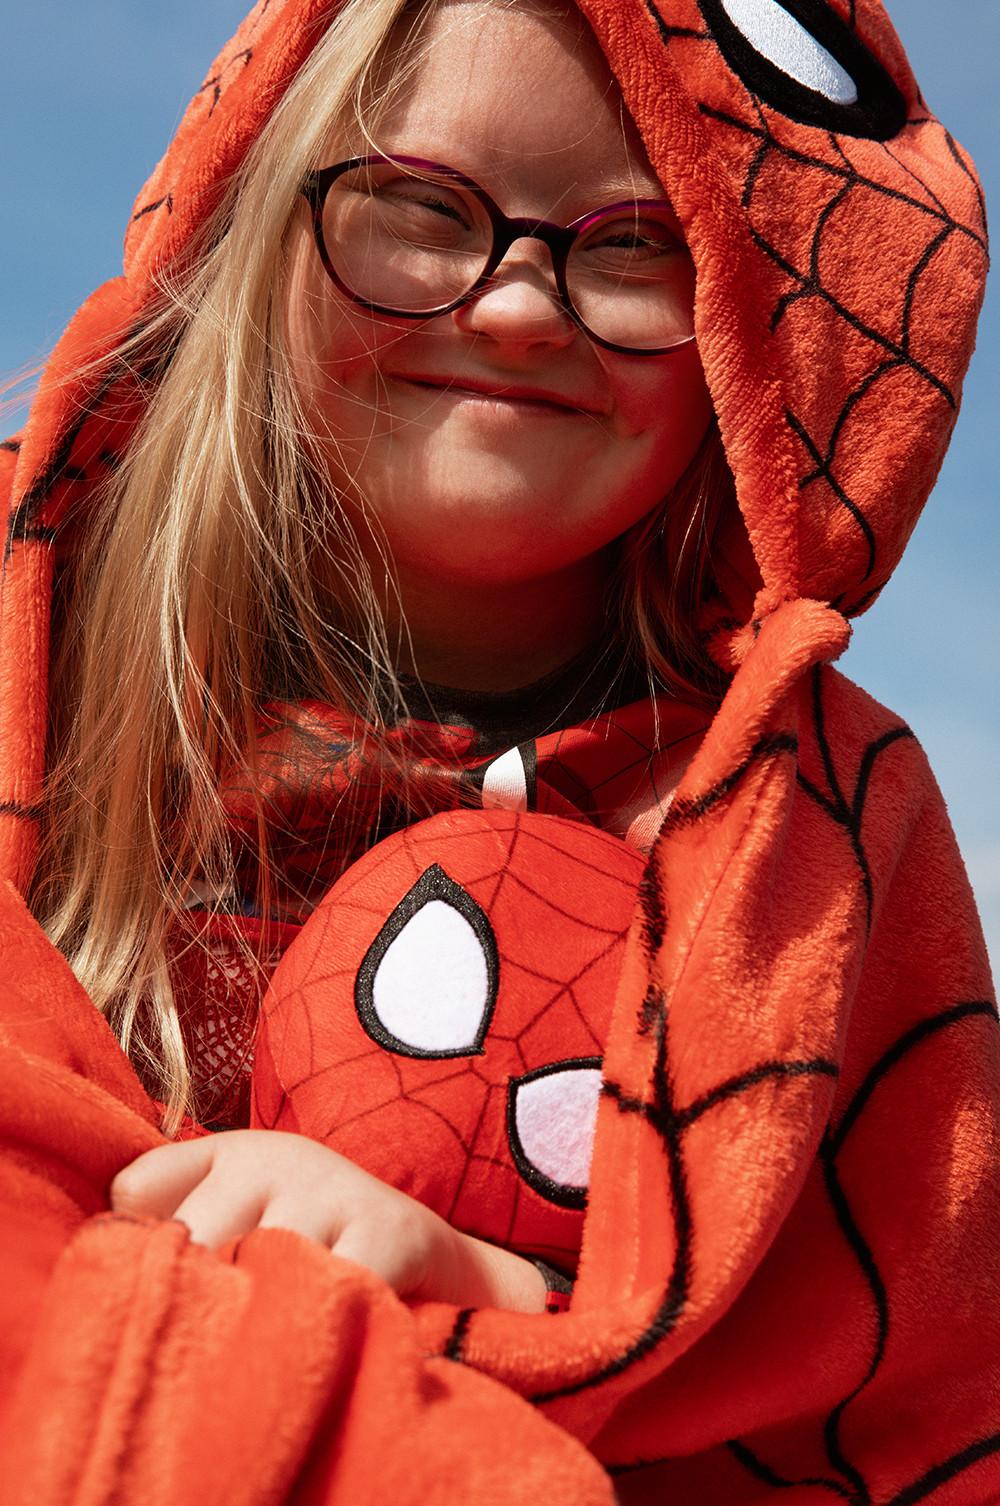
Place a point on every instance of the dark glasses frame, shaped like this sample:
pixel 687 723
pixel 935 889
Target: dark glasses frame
pixel 506 230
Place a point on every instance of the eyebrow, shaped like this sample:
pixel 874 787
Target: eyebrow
pixel 612 190
pixel 615 185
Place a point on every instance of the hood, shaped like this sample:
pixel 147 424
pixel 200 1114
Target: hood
pixel 838 232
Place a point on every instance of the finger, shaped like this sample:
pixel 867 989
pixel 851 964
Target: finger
pixel 301 1218
pixel 217 1210
pixel 362 1242
pixel 156 1182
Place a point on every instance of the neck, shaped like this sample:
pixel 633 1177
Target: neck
pixel 477 636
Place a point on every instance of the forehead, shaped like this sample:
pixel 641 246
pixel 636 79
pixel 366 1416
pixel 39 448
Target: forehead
pixel 515 94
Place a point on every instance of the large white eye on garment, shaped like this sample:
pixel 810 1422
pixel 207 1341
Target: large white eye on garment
pixel 427 985
pixel 803 58
pixel 551 1116
pixel 785 43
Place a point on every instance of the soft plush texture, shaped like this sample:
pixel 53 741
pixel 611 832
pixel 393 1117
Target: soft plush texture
pixel 790 1263
pixel 329 795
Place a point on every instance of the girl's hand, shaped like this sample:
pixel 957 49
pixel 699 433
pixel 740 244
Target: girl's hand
pixel 224 1185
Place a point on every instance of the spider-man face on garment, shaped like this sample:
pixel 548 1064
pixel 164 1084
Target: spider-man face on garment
pixel 442 1016
pixel 792 134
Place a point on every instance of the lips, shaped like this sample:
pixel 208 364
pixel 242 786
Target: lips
pixel 502 392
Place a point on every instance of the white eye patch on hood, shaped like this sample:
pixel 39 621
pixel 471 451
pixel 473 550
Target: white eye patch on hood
pixel 802 58
pixel 781 39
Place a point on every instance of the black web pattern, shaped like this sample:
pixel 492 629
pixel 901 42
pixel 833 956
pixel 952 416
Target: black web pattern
pixel 569 994
pixel 890 354
pixel 671 1121
pixel 847 1482
pixel 598 796
pixel 216 83
pixel 166 203
pixel 851 1485
pixel 24 524
pixel 823 456
pixel 848 813
pixel 214 87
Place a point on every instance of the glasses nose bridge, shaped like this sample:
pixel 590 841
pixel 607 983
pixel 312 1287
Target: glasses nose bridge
pixel 507 230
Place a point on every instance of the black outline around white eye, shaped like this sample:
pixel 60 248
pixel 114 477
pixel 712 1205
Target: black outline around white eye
pixel 879 110
pixel 518 763
pixel 561 1193
pixel 433 885
pixel 775 33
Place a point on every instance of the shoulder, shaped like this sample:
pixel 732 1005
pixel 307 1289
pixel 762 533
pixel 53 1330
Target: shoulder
pixel 867 779
pixel 844 733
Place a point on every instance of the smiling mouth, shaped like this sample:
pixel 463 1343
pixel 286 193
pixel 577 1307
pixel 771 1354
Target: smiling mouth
pixel 492 399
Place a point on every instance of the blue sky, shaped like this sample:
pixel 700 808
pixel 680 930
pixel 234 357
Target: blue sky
pixel 91 96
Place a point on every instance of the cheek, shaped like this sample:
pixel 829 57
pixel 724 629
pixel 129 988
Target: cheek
pixel 663 409
pixel 333 356
pixel 666 408
pixel 333 348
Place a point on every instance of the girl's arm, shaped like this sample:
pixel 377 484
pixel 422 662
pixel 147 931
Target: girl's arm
pixel 225 1185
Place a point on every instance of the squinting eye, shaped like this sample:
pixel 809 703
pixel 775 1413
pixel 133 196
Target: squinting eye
pixel 629 239
pixel 417 201
pixel 625 241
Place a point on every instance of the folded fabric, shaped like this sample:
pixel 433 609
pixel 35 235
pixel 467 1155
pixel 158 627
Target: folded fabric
pixel 141 1367
pixel 789 1257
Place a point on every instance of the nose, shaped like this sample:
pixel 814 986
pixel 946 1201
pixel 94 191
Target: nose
pixel 520 304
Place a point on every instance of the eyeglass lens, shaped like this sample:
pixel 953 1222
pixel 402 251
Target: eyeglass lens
pixel 416 242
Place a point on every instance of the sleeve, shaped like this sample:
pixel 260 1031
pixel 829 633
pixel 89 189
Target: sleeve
pixel 789 1280
pixel 860 1359
pixel 140 1367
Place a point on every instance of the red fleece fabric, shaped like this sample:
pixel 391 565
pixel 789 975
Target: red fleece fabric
pixel 789 1243
pixel 615 772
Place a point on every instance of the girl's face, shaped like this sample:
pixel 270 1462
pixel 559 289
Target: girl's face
pixel 486 491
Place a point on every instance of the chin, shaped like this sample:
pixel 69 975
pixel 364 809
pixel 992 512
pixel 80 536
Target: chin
pixel 518 483
pixel 470 553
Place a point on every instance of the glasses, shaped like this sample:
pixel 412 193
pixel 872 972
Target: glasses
pixel 413 239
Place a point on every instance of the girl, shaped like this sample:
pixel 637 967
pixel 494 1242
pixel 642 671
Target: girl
pixel 402 605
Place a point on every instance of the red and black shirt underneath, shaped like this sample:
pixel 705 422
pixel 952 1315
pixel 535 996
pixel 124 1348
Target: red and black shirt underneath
pixel 585 744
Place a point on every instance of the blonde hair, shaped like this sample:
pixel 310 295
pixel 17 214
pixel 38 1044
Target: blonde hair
pixel 215 567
